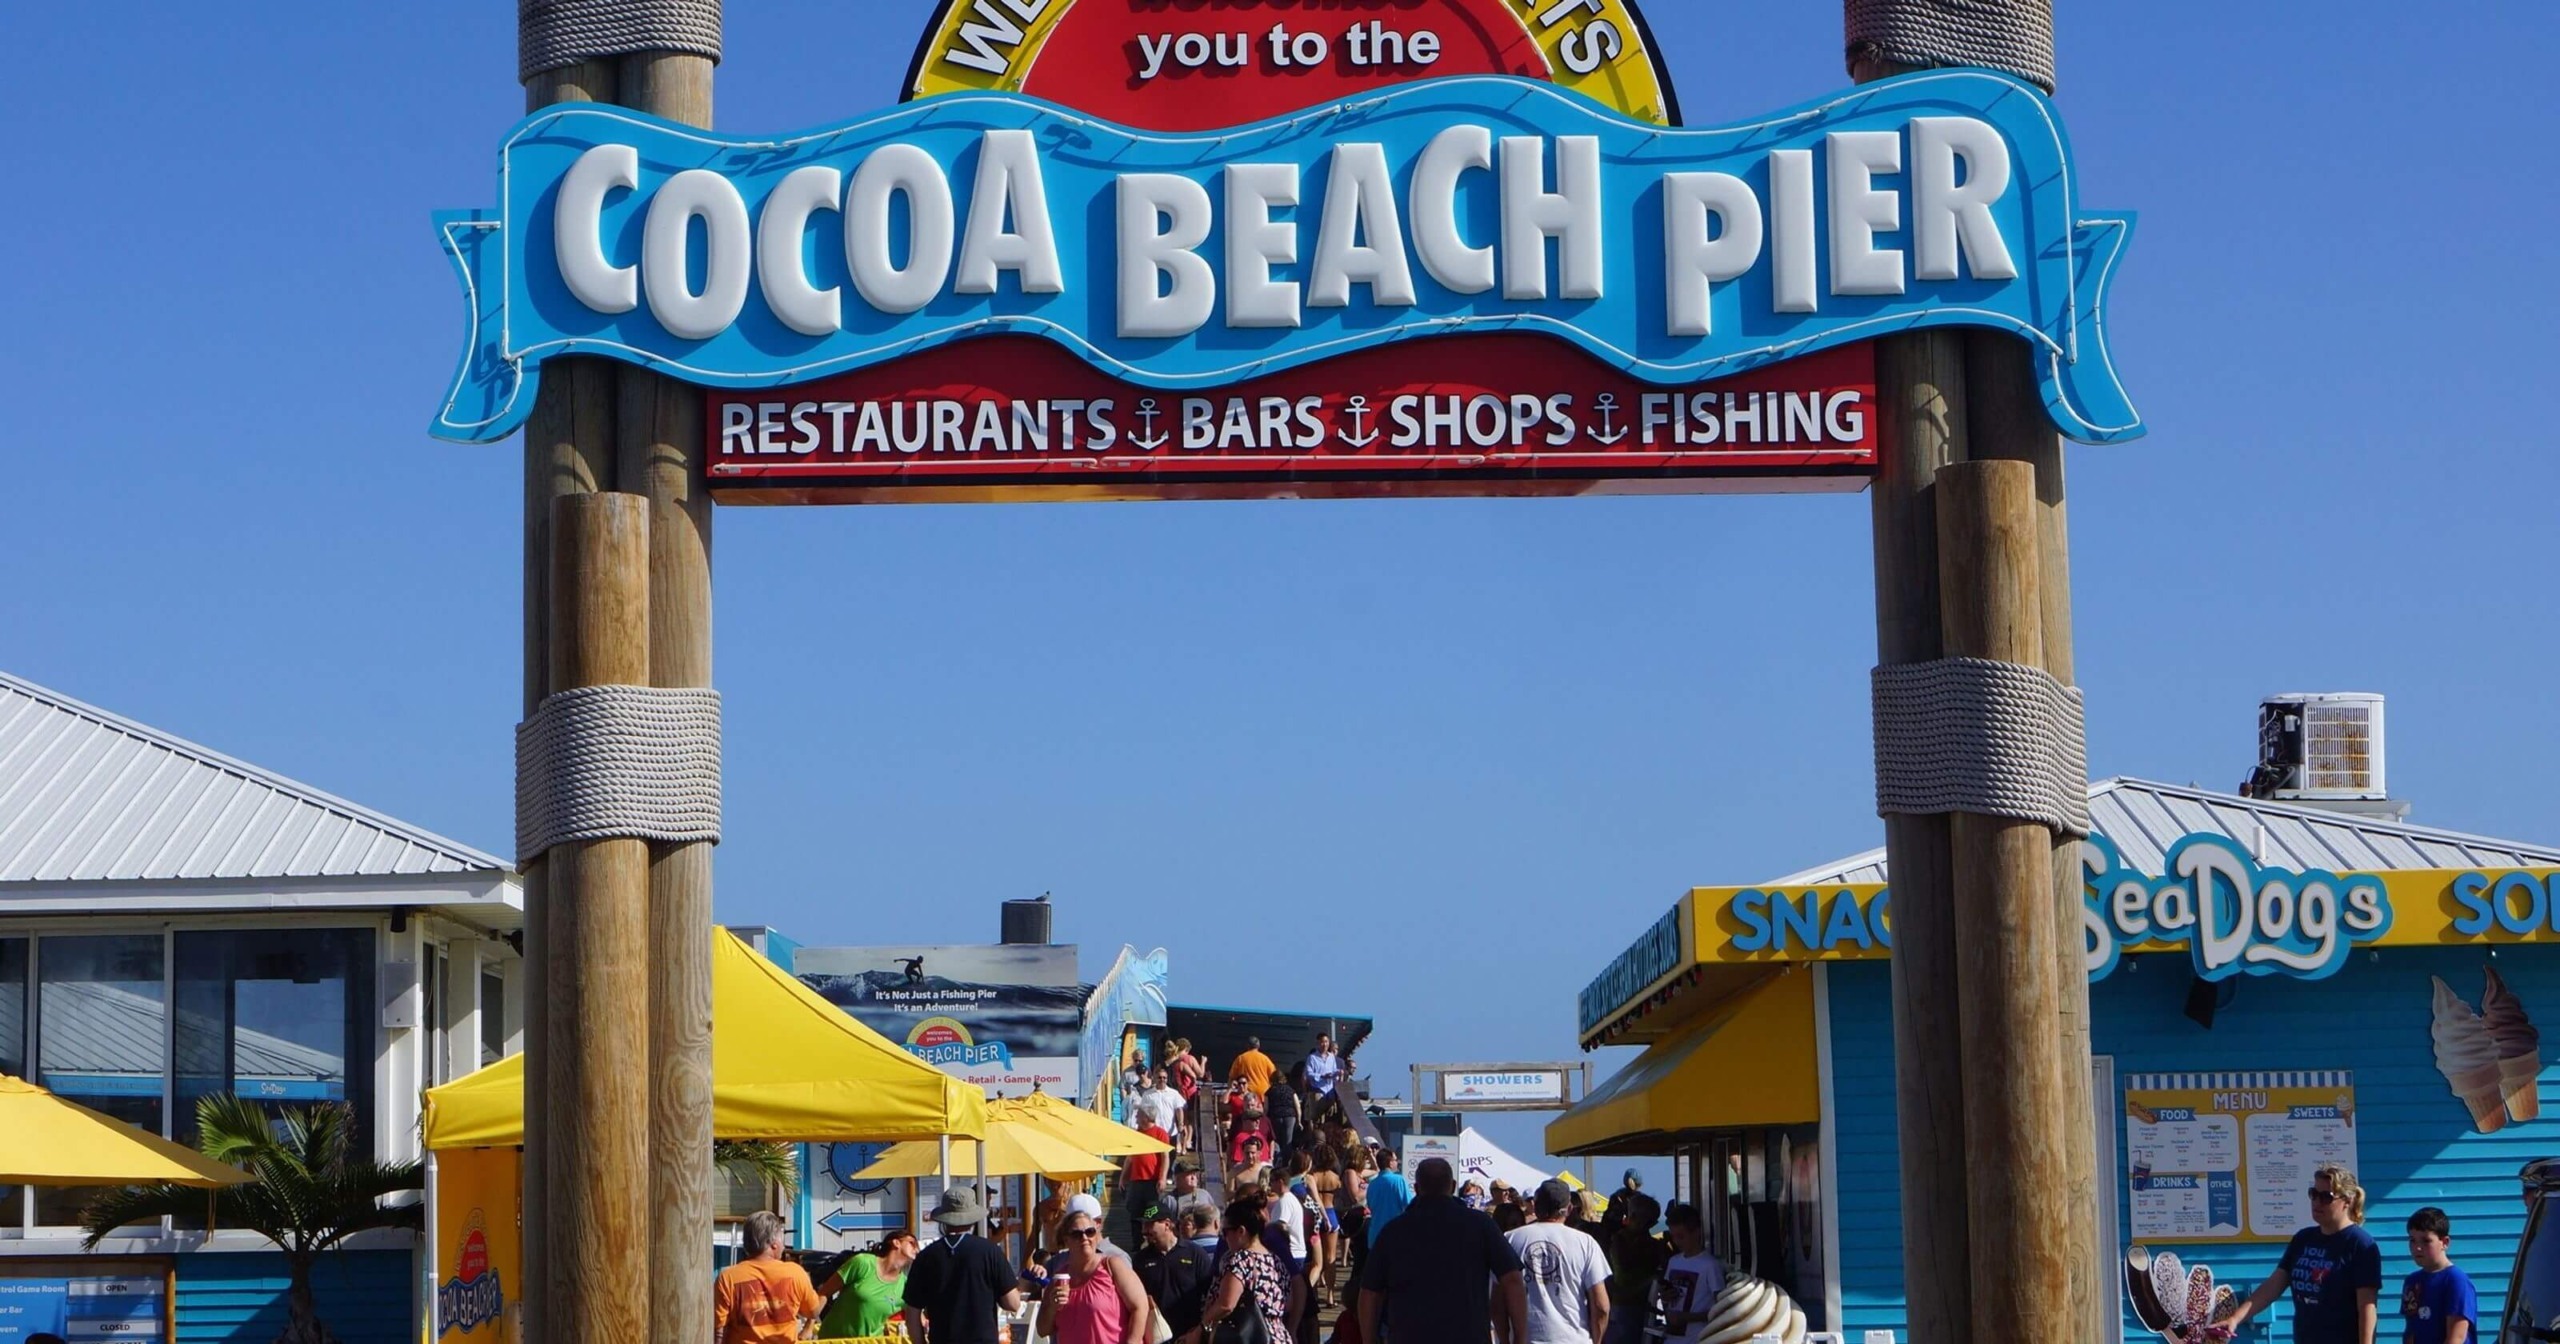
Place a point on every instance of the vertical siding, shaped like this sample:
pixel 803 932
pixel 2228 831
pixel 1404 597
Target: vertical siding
pixel 2415 1144
pixel 227 1298
pixel 1870 1188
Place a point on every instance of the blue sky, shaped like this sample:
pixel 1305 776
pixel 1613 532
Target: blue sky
pixel 1431 761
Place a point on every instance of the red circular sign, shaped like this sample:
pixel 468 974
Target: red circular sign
pixel 1196 67
pixel 474 1261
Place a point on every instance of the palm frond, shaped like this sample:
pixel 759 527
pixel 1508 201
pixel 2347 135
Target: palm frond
pixel 127 1205
pixel 759 1161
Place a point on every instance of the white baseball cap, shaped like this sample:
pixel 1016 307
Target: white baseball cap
pixel 1085 1204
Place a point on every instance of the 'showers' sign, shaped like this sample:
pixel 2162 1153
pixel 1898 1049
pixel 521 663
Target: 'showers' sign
pixel 1288 305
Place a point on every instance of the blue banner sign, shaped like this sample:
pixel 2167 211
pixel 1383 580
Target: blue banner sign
pixel 1189 261
pixel 1657 954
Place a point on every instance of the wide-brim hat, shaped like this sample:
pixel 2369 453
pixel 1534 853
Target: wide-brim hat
pixel 958 1207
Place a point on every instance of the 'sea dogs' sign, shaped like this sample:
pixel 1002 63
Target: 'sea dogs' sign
pixel 1481 273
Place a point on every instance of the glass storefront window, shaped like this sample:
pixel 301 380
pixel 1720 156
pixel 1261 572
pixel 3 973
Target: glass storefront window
pixel 13 1007
pixel 493 1018
pixel 13 1051
pixel 281 1016
pixel 102 1031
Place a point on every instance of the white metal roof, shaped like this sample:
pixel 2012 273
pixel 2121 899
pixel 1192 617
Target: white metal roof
pixel 2144 819
pixel 86 795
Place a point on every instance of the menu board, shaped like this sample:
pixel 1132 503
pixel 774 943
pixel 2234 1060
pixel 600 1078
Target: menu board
pixel 2228 1157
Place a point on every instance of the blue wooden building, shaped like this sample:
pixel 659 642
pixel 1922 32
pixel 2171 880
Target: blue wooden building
pixel 2242 1030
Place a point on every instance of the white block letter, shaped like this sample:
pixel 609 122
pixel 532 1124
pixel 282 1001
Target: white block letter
pixel 1445 254
pixel 1009 183
pixel 780 264
pixel 1791 250
pixel 894 170
pixel 1946 217
pixel 577 225
pixel 1166 289
pixel 1361 240
pixel 1256 242
pixel 1531 215
pixel 1859 212
pixel 1691 257
pixel 728 255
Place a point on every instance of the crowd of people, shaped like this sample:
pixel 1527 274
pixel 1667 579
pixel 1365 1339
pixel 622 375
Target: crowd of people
pixel 1315 1224
pixel 1314 1228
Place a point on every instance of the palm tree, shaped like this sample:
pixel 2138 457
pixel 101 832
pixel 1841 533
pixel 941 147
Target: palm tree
pixel 310 1192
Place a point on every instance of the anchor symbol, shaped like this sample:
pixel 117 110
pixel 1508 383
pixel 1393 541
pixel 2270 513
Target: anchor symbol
pixel 1610 435
pixel 1148 440
pixel 1361 436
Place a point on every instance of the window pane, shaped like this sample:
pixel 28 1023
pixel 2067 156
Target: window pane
pixel 438 1038
pixel 13 1053
pixel 276 1015
pixel 102 1027
pixel 493 1018
pixel 13 1009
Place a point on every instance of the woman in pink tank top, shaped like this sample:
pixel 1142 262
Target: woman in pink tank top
pixel 1100 1300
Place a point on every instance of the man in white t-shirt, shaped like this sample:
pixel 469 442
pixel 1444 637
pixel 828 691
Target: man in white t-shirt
pixel 1160 1102
pixel 1564 1272
pixel 1291 1214
pixel 1691 1282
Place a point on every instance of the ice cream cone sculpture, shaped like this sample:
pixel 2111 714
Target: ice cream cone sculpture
pixel 2176 1301
pixel 2519 1048
pixel 2467 1056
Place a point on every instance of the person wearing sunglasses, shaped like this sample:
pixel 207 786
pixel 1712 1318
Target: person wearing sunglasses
pixel 1092 1298
pixel 2333 1267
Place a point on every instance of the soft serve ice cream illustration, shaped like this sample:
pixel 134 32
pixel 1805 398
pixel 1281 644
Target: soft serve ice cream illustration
pixel 2519 1048
pixel 2467 1056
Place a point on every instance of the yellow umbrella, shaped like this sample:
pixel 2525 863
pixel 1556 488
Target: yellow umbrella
pixel 1086 1130
pixel 1014 1148
pixel 45 1140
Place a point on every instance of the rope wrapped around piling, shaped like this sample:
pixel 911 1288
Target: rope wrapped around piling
pixel 554 33
pixel 2015 36
pixel 618 762
pixel 1975 735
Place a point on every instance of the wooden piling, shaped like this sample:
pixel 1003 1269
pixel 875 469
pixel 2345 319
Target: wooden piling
pixel 2007 964
pixel 2009 423
pixel 597 1081
pixel 568 445
pixel 661 457
pixel 1921 428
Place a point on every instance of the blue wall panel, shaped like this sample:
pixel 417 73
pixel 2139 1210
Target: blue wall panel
pixel 2415 1142
pixel 365 1297
pixel 1869 1162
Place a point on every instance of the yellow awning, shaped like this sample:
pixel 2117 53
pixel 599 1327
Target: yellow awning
pixel 1014 1148
pixel 1073 1124
pixel 45 1140
pixel 785 1065
pixel 1748 1061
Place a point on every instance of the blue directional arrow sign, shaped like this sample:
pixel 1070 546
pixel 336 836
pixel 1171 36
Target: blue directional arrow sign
pixel 846 1222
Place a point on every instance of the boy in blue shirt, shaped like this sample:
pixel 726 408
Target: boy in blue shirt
pixel 2437 1301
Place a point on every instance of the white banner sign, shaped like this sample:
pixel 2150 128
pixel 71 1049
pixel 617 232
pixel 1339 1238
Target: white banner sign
pixel 1458 1087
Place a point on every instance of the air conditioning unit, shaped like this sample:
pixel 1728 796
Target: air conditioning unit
pixel 2321 748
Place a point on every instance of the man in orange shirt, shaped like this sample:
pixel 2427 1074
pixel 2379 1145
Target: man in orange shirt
pixel 1253 1068
pixel 763 1298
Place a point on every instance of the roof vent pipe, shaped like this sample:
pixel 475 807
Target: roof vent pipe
pixel 1027 922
